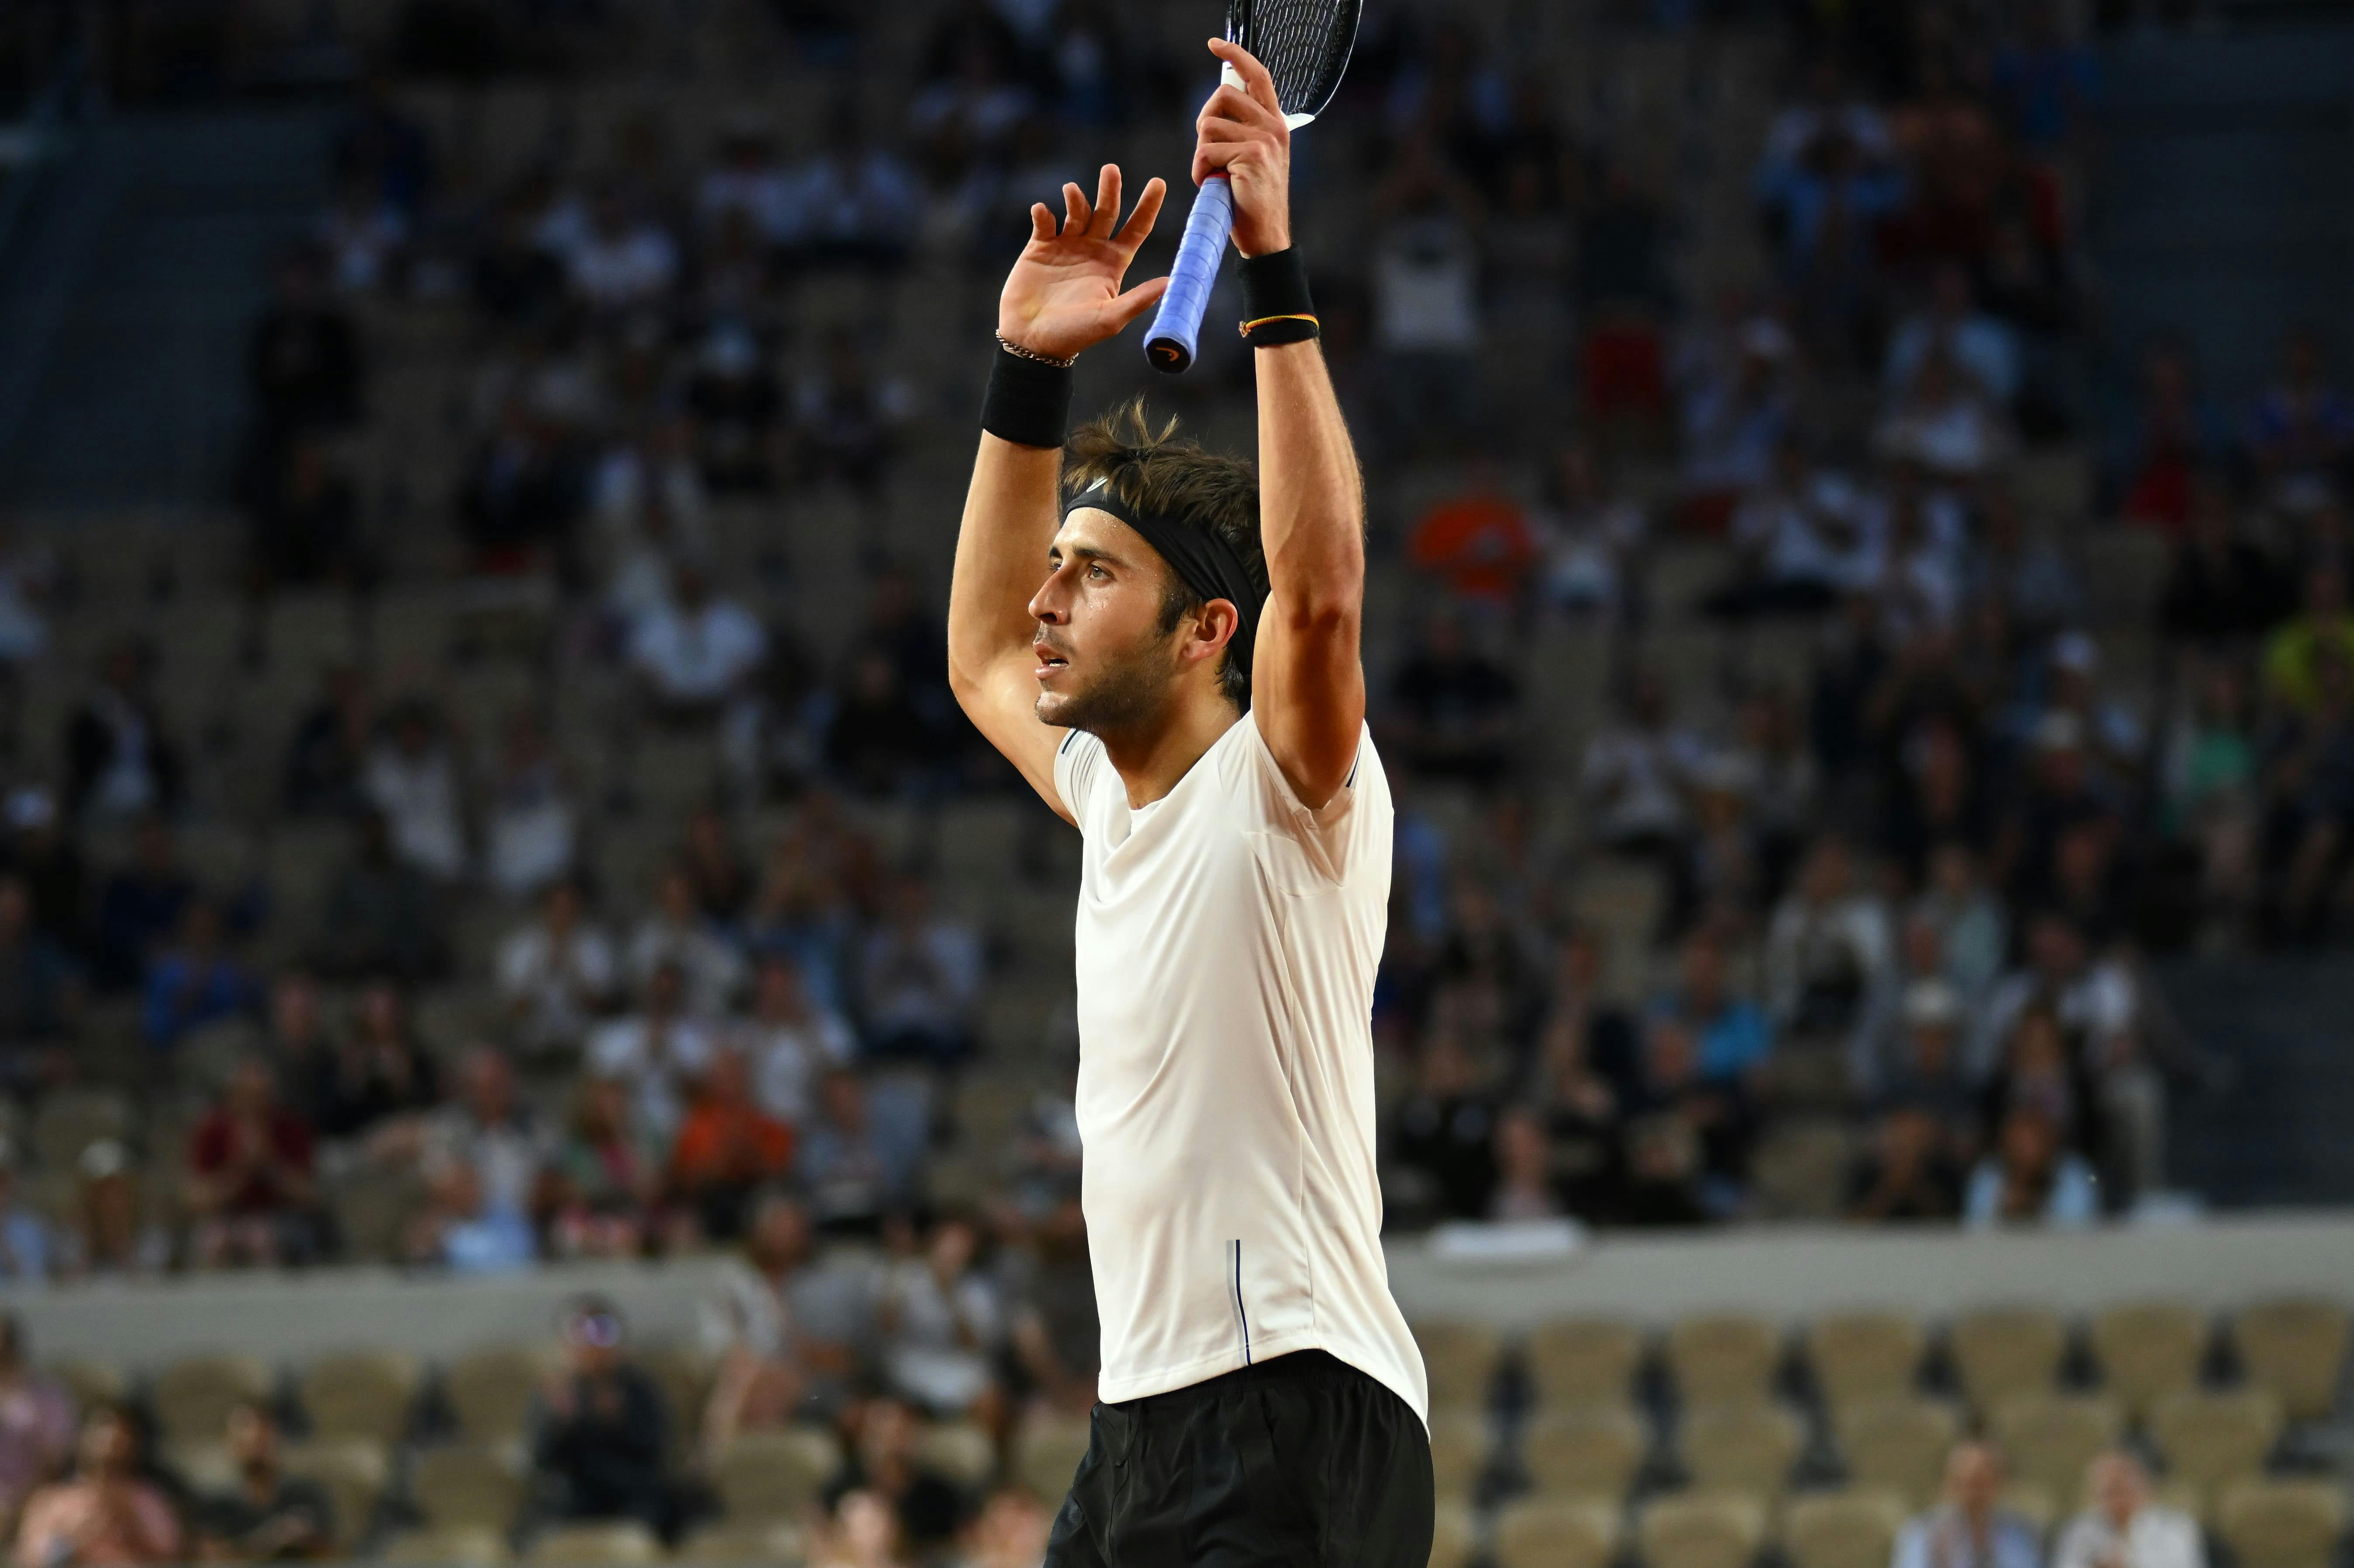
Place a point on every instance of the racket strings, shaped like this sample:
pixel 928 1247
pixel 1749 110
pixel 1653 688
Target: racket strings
pixel 1304 44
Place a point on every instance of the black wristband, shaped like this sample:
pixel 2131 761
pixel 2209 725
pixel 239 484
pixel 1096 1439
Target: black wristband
pixel 1028 402
pixel 1276 305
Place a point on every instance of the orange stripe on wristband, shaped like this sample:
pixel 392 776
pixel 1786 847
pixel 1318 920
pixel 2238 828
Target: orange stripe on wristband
pixel 1295 316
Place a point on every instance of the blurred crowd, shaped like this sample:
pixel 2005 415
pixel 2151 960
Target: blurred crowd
pixel 1882 871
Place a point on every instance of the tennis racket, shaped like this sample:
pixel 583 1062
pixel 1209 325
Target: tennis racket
pixel 1305 45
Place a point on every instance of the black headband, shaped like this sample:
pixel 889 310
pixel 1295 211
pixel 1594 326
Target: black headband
pixel 1200 555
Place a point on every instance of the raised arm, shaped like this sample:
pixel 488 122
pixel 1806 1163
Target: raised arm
pixel 1062 297
pixel 1308 679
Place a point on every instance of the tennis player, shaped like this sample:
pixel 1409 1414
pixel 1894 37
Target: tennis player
pixel 1165 642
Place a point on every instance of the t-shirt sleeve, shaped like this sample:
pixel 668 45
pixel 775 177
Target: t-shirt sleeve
pixel 1349 833
pixel 1078 764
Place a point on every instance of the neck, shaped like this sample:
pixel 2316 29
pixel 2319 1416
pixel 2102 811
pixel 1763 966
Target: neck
pixel 1152 757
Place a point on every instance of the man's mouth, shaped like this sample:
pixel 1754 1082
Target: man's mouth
pixel 1049 662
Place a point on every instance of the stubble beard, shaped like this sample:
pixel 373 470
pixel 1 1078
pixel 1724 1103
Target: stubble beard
pixel 1129 696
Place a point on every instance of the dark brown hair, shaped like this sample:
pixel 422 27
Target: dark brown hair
pixel 1148 468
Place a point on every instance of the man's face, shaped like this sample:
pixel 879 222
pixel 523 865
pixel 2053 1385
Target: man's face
pixel 1105 664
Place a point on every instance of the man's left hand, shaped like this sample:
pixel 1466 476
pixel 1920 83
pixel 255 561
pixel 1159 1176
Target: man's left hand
pixel 1242 132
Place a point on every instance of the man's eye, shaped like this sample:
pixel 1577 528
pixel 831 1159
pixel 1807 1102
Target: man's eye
pixel 1097 572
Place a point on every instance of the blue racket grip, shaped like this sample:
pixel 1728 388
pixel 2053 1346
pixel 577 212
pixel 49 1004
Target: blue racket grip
pixel 1177 329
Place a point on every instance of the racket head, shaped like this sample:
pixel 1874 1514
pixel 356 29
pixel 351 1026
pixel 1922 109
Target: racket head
pixel 1304 44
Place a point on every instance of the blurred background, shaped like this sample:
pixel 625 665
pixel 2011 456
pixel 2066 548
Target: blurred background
pixel 528 1022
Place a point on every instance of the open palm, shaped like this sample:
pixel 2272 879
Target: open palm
pixel 1064 293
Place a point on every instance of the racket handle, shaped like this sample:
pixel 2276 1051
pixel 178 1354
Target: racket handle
pixel 1176 332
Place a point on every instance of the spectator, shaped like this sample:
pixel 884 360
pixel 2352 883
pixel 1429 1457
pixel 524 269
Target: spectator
pixel 790 1040
pixel 1733 1032
pixel 1688 1136
pixel 412 778
pixel 1637 770
pixel 847 417
pixel 727 1147
pixel 2312 790
pixel 865 1532
pixel 378 1077
pixel 1479 543
pixel 943 1326
pixel 266 1515
pixel 2322 628
pixel 110 1239
pixel 2031 1176
pixel 28 1254
pixel 1442 1150
pixel 2124 1526
pixel 744 180
pixel 363 238
pixel 1736 418
pixel 252 1182
pixel 736 399
pixel 2210 784
pixel 488 1129
pixel 1011 1532
pixel 852 1175
pixel 1425 277
pixel 676 933
pixel 1972 929
pixel 2178 436
pixel 788 1335
pixel 1453 708
pixel 195 982
pixel 39 852
pixel 1050 1320
pixel 2300 430
pixel 696 653
pixel 37 1416
pixel 555 976
pixel 383 917
pixel 625 259
pixel 921 978
pixel 1924 1072
pixel 1979 346
pixel 2222 588
pixel 1909 1172
pixel 927 1507
pixel 303 364
pixel 878 742
pixel 327 757
pixel 600 1432
pixel 1945 422
pixel 1971 1526
pixel 717 872
pixel 655 1052
pixel 303 518
pixel 1524 1177
pixel 106 1513
pixel 604 1185
pixel 520 494
pixel 142 906
pixel 1803 540
pixel 1830 956
pixel 296 1041
pixel 530 832
pixel 1593 538
pixel 39 993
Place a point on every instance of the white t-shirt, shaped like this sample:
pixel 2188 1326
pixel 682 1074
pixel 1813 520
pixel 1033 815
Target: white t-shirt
pixel 1226 942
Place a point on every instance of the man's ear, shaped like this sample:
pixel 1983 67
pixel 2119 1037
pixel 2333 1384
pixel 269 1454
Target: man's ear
pixel 1215 625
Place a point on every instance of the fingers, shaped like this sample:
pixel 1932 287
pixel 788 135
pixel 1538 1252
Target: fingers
pixel 1135 302
pixel 1256 76
pixel 1148 210
pixel 1106 213
pixel 1233 103
pixel 1215 130
pixel 1042 222
pixel 1075 211
pixel 1213 155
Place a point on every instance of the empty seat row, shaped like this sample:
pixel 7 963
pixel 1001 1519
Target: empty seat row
pixel 2295 1350
pixel 2265 1524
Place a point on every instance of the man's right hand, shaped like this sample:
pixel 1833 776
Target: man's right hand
pixel 1064 295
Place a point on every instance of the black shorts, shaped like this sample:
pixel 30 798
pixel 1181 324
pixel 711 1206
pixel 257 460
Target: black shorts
pixel 1298 1462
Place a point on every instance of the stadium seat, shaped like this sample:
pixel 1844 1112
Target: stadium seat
pixel 1460 1444
pixel 1553 1533
pixel 454 1548
pixel 70 1120
pixel 89 1379
pixel 1863 1358
pixel 1723 1358
pixel 2210 1439
pixel 491 1392
pixel 2049 1439
pixel 1453 1537
pixel 595 1546
pixel 360 1393
pixel 1740 1448
pixel 1699 1529
pixel 2006 1350
pixel 2032 1503
pixel 772 1474
pixel 1461 1360
pixel 2147 1349
pixel 1802 1166
pixel 960 1450
pixel 205 1468
pixel 684 1375
pixel 2281 1524
pixel 781 1544
pixel 1841 1530
pixel 192 1399
pixel 352 1471
pixel 1582 1360
pixel 2296 1349
pixel 1047 1451
pixel 467 1484
pixel 1593 1453
pixel 1899 1446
